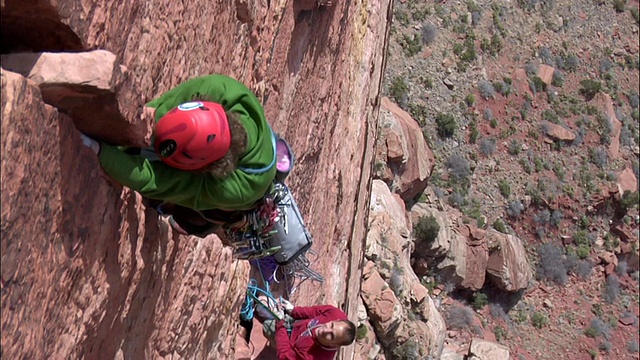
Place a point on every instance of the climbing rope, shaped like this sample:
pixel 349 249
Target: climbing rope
pixel 251 300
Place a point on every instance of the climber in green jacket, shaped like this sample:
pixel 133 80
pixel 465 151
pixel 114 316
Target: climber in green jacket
pixel 213 154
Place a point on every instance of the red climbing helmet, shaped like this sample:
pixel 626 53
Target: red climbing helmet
pixel 192 135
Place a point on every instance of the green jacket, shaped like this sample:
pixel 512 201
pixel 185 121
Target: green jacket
pixel 238 191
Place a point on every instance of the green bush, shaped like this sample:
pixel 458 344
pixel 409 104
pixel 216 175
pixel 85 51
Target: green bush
pixel 539 320
pixel 504 187
pixel 426 229
pixel 629 199
pixel 635 13
pixel 500 333
pixel 583 251
pixel 580 238
pixel 589 88
pixel 409 350
pixel 399 90
pixel 411 44
pixel 446 125
pixel 514 147
pixel 537 85
pixel 619 5
pixel 361 332
pixel 479 300
pixel 470 100
pixel 500 226
pixel 473 132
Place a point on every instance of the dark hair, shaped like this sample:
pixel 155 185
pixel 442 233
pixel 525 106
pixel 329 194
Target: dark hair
pixel 227 164
pixel 349 333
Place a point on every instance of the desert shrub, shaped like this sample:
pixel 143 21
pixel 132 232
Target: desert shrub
pixel 537 85
pixel 473 133
pixel 583 251
pixel 589 88
pixel 502 87
pixel 633 99
pixel 622 268
pixel 500 333
pixel 542 217
pixel 571 63
pixel 552 264
pixel 500 226
pixel 459 317
pixel 558 78
pixel 476 17
pixel 598 328
pixel 504 188
pixel 551 116
pixel 611 289
pixel 619 5
pixel 531 68
pixel 514 147
pixel 559 62
pixel 635 12
pixel 580 238
pixel 396 282
pixel 470 99
pixel 632 346
pixel 497 311
pixel 488 114
pixel 486 90
pixel 628 200
pixel 411 44
pixel 605 346
pixel 479 300
pixel 399 91
pixel 429 33
pixel 426 229
pixel 545 55
pixel 626 136
pixel 539 320
pixel 583 269
pixel 515 208
pixel 408 350
pixel 487 146
pixel 599 157
pixel 446 125
pixel 556 217
pixel 456 200
pixel 458 166
pixel 605 65
pixel 361 332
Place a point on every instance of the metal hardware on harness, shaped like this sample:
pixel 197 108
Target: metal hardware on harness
pixel 251 240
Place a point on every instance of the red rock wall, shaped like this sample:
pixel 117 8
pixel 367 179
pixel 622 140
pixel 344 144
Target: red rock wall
pixel 86 270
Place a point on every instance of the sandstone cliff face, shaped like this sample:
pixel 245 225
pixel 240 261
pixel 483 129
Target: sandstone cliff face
pixel 87 270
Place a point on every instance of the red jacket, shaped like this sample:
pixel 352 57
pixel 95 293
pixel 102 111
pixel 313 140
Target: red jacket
pixel 302 344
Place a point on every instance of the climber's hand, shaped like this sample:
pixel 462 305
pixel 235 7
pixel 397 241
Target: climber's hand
pixel 90 143
pixel 280 314
pixel 286 305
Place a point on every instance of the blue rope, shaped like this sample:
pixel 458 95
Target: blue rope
pixel 253 290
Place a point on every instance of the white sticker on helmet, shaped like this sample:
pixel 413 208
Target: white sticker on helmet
pixel 190 105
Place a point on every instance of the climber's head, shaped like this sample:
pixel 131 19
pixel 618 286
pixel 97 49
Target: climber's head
pixel 199 135
pixel 336 333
